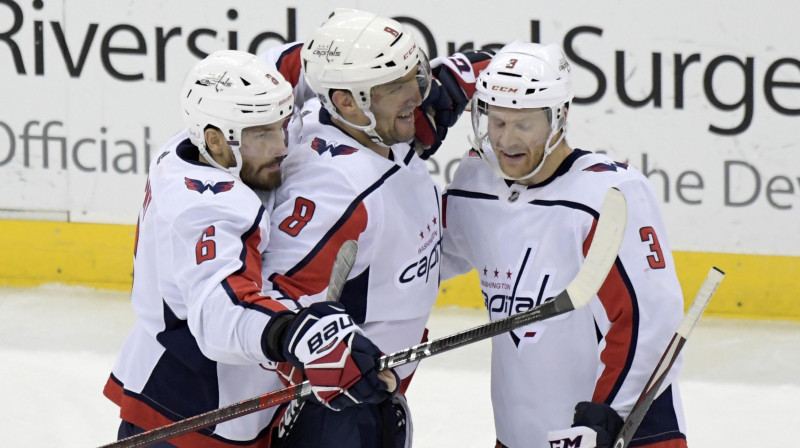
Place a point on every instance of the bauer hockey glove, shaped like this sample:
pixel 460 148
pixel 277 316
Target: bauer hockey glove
pixel 337 359
pixel 451 90
pixel 594 426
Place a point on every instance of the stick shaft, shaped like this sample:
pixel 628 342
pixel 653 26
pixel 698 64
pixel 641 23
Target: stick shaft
pixel 668 358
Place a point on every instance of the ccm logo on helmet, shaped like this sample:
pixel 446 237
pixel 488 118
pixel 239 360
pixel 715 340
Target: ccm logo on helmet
pixel 323 340
pixel 272 78
pixel 410 52
pixel 563 65
pixel 505 89
pixel 391 31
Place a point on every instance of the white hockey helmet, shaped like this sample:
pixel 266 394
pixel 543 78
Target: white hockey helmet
pixel 355 51
pixel 232 90
pixel 523 76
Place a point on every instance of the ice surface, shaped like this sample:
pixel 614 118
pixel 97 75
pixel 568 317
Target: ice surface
pixel 58 344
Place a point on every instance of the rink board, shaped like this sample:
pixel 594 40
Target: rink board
pixel 101 256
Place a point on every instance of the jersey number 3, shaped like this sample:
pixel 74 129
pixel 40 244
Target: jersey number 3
pixel 302 214
pixel 648 235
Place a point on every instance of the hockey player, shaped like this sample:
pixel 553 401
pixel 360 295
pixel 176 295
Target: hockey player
pixel 522 210
pixel 205 334
pixel 352 173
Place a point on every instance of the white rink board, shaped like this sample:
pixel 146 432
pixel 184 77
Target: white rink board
pixel 718 138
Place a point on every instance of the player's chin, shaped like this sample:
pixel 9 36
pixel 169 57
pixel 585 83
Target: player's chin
pixel 514 169
pixel 262 179
pixel 404 133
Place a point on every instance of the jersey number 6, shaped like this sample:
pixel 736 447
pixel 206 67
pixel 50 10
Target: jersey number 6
pixel 206 248
pixel 302 214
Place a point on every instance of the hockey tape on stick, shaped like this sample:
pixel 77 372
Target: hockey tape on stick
pixel 342 265
pixel 668 358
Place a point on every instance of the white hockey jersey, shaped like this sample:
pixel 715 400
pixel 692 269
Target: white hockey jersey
pixel 527 244
pixel 334 190
pixel 197 296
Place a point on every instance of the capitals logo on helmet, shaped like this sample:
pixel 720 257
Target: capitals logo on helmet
pixel 232 90
pixel 357 50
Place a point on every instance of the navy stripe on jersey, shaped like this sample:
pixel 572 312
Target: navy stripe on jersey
pixel 354 296
pixel 191 380
pixel 633 338
pixel 182 367
pixel 569 204
pixel 409 155
pixel 253 229
pixel 288 52
pixel 612 292
pixel 310 275
pixel 243 286
pixel 136 409
pixel 189 153
pixel 341 221
pixel 325 118
pixel 470 194
pixel 289 64
pixel 659 423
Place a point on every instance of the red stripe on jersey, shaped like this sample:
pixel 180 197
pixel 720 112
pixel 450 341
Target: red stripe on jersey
pixel 140 414
pixel 246 285
pixel 405 382
pixel 290 65
pixel 618 303
pixel 313 277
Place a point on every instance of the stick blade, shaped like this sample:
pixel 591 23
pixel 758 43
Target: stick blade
pixel 700 302
pixel 603 251
pixel 342 265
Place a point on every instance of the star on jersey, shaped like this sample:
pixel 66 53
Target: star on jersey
pixel 601 167
pixel 201 187
pixel 321 147
pixel 508 273
pixel 428 226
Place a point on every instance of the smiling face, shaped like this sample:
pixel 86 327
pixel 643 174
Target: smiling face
pixel 263 148
pixel 393 106
pixel 518 137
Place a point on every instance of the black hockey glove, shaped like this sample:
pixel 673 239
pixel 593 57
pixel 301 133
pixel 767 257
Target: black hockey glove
pixel 451 91
pixel 330 349
pixel 594 426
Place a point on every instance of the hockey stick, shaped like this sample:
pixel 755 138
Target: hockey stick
pixel 668 358
pixel 602 253
pixel 342 265
pixel 580 291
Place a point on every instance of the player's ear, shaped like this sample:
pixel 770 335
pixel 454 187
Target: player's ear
pixel 344 102
pixel 215 142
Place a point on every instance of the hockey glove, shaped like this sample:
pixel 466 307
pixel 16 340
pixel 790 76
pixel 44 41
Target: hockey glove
pixel 451 90
pixel 289 374
pixel 594 425
pixel 338 360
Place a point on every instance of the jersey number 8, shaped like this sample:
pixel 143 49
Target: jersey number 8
pixel 302 214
